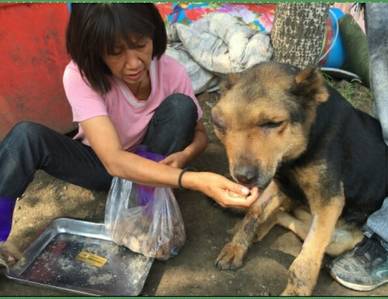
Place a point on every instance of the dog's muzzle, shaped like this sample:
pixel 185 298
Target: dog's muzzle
pixel 250 176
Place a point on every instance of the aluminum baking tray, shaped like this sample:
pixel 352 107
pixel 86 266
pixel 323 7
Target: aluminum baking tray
pixel 79 256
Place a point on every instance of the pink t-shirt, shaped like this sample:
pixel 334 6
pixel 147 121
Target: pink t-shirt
pixel 129 116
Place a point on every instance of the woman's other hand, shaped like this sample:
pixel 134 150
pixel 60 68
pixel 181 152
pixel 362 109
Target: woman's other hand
pixel 177 160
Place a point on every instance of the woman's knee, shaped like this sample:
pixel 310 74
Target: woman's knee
pixel 180 105
pixel 25 131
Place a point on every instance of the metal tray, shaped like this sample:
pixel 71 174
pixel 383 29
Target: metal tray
pixel 80 257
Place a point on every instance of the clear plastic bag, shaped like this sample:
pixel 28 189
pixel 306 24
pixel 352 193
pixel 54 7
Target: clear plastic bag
pixel 144 219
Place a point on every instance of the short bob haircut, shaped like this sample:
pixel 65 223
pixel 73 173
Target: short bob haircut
pixel 95 29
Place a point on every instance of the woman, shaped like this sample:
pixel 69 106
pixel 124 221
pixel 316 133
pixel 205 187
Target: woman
pixel 124 92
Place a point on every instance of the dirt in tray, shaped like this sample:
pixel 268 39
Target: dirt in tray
pixel 192 272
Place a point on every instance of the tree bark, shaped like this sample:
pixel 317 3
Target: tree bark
pixel 298 33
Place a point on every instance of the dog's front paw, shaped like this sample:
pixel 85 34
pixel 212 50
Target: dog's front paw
pixel 292 290
pixel 297 284
pixel 231 256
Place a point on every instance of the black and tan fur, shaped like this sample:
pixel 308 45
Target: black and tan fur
pixel 301 143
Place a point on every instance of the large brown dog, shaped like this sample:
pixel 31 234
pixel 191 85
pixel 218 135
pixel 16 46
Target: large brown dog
pixel 299 141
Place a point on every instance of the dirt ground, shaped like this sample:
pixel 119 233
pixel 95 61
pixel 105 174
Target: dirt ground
pixel 190 273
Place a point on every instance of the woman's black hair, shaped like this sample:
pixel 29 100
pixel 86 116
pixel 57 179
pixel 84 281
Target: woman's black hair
pixel 95 29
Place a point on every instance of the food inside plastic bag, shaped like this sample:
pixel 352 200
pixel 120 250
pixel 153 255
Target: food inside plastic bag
pixel 144 219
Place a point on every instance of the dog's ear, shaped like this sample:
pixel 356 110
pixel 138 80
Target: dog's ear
pixel 229 81
pixel 309 84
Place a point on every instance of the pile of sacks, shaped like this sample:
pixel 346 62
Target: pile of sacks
pixel 214 45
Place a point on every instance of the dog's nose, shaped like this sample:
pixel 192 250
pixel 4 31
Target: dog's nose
pixel 246 174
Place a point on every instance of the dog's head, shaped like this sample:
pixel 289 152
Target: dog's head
pixel 264 116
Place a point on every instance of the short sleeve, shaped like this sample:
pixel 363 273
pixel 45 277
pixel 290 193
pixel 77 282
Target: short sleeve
pixel 185 86
pixel 84 101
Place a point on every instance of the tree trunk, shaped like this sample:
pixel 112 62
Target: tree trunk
pixel 298 33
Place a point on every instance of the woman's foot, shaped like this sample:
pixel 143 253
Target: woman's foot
pixel 9 255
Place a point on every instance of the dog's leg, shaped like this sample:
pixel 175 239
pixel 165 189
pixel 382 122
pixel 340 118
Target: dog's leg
pixel 265 227
pixel 298 227
pixel 273 219
pixel 303 214
pixel 231 256
pixel 262 230
pixel 303 273
pixel 344 238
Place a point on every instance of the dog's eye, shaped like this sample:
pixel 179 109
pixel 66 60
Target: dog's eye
pixel 270 124
pixel 219 127
pixel 218 121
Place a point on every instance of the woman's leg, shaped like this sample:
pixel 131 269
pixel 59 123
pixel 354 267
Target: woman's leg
pixel 29 147
pixel 172 127
pixel 376 17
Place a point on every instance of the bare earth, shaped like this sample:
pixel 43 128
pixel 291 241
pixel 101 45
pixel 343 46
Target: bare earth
pixel 192 272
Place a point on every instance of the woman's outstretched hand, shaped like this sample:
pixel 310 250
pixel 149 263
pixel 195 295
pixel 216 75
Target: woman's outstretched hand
pixel 224 191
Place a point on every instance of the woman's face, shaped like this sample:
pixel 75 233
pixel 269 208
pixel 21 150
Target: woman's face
pixel 131 65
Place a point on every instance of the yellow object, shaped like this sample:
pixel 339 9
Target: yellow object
pixel 91 259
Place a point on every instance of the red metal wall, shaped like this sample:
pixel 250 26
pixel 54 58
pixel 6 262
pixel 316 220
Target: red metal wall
pixel 32 61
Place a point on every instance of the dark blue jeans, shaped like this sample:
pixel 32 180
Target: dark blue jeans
pixel 30 146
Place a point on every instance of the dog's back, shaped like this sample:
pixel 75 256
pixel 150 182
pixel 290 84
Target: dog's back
pixel 351 141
